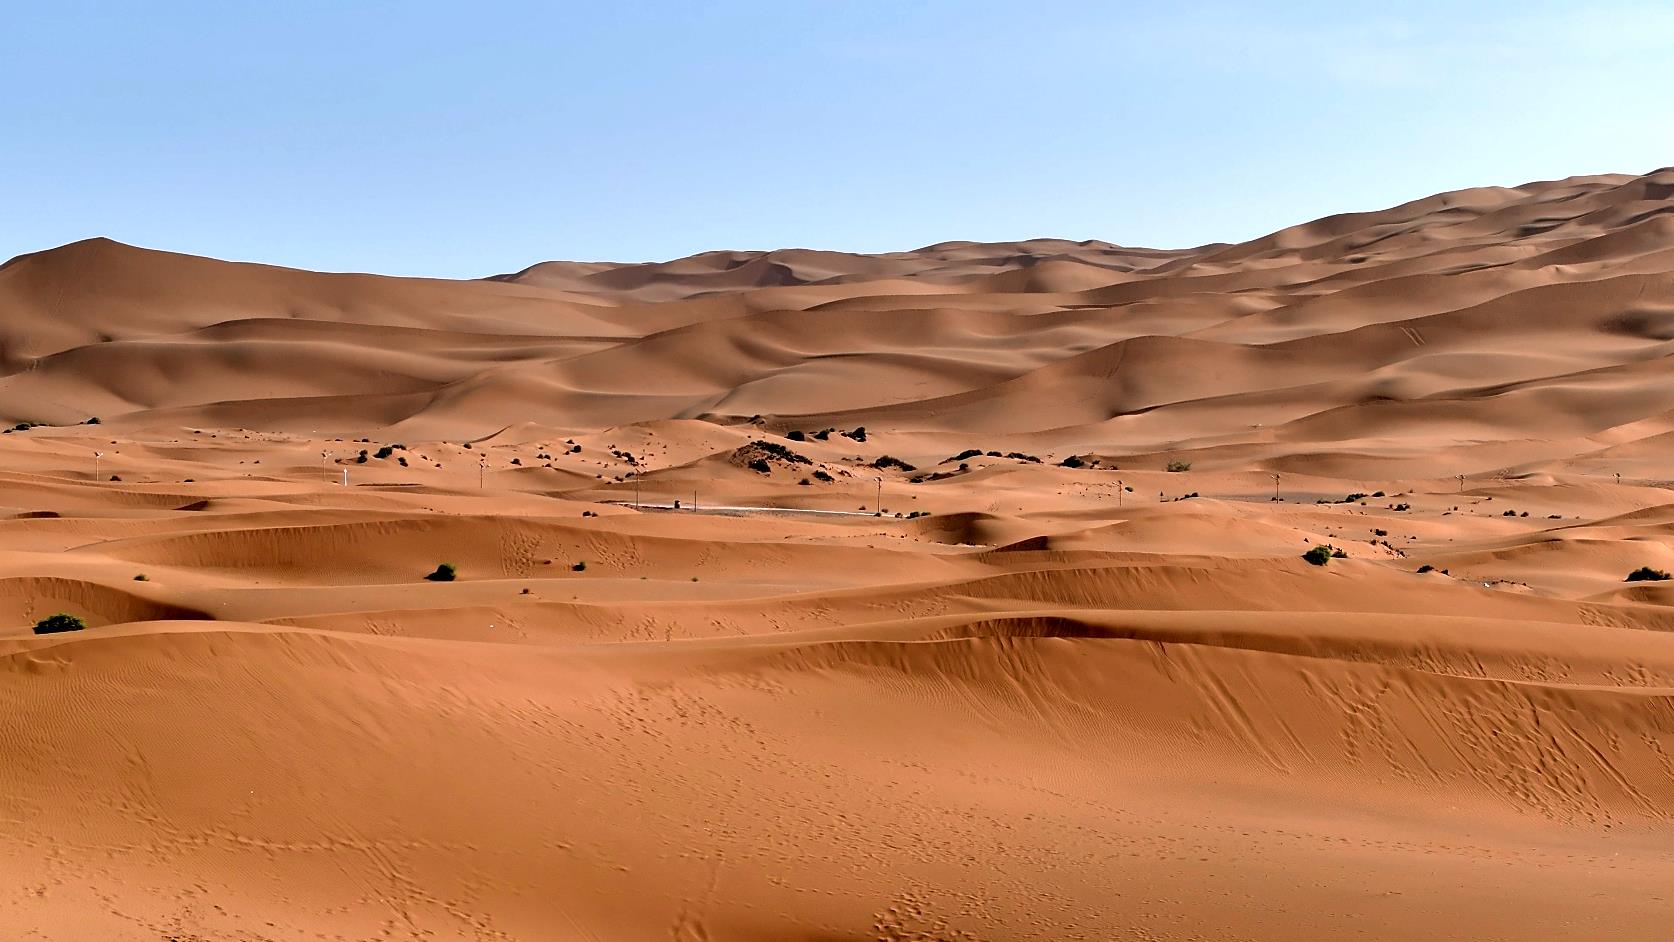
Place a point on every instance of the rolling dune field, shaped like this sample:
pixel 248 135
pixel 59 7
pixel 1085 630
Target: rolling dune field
pixel 949 594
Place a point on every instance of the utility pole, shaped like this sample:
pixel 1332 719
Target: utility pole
pixel 880 498
pixel 1120 487
pixel 482 470
pixel 694 500
pixel 1461 484
pixel 325 456
pixel 1275 486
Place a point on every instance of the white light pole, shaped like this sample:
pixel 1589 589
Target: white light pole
pixel 96 456
pixel 325 456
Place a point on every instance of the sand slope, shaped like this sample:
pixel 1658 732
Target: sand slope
pixel 1049 690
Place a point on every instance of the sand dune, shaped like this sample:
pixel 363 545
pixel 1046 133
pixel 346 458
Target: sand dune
pixel 991 623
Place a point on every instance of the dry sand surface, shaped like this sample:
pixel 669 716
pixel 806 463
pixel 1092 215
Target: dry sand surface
pixel 1054 691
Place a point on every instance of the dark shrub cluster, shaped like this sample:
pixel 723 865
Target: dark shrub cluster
pixel 54 624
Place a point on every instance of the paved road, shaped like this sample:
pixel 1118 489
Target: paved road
pixel 723 509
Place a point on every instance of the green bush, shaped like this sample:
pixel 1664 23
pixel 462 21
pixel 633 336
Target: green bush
pixel 1318 555
pixel 1177 465
pixel 53 624
pixel 444 573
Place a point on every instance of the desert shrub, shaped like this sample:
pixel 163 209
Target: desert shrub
pixel 384 452
pixel 444 573
pixel 761 465
pixel 823 476
pixel 580 566
pixel 53 624
pixel 1339 553
pixel 890 461
pixel 1073 461
pixel 796 435
pixel 1646 574
pixel 1426 568
pixel 142 577
pixel 805 482
pixel 1318 555
pixel 1176 465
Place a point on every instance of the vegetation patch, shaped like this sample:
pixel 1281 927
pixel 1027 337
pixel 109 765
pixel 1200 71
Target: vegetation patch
pixel 61 622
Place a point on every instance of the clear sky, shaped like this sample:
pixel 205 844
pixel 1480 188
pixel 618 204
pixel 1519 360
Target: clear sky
pixel 465 139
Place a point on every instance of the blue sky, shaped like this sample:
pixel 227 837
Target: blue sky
pixel 462 140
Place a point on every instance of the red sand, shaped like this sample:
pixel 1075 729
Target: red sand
pixel 1064 705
